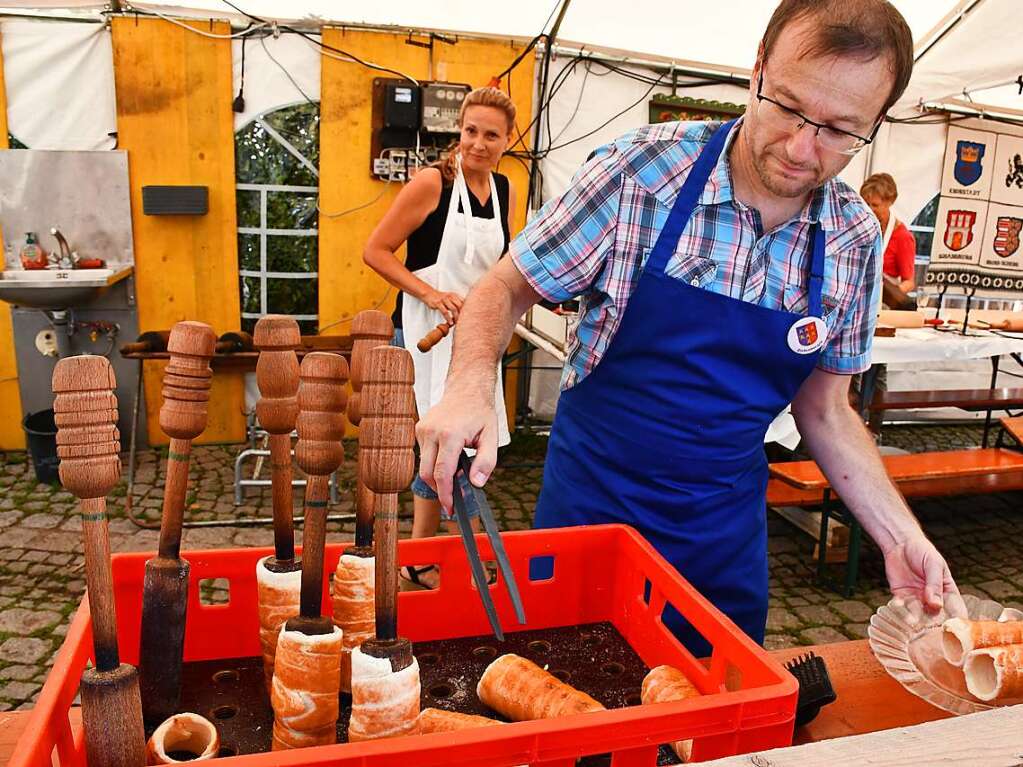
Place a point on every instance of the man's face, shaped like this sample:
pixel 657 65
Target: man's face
pixel 842 93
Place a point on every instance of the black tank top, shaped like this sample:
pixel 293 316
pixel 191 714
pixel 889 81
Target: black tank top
pixel 423 244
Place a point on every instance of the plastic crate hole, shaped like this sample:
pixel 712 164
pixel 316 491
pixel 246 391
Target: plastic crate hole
pixel 648 588
pixel 539 646
pixel 226 676
pixel 489 572
pixel 696 643
pixel 419 576
pixel 612 668
pixel 541 568
pixel 634 698
pixel 440 691
pixel 427 659
pixel 224 712
pixel 486 652
pixel 562 674
pixel 214 591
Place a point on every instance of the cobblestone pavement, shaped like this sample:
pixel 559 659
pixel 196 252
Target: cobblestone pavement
pixel 42 578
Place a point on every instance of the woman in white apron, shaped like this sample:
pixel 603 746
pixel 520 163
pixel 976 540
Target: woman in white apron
pixel 455 217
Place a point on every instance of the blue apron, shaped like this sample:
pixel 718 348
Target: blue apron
pixel 666 433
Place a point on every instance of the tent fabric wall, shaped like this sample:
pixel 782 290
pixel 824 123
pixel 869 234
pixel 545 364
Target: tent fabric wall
pixel 11 435
pixel 60 84
pixel 267 87
pixel 174 118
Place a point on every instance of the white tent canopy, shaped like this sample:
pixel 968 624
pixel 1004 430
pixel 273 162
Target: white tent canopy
pixel 60 75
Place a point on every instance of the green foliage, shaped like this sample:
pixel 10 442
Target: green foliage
pixel 926 217
pixel 13 143
pixel 261 159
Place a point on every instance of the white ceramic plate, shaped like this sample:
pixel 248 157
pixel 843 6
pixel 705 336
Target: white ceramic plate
pixel 907 642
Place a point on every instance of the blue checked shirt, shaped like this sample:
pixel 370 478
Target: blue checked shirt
pixel 593 240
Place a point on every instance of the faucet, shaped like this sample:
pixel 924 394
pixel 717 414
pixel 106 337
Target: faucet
pixel 67 259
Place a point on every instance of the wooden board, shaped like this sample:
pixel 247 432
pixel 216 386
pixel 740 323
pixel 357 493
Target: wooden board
pixel 986 738
pixel 860 683
pixel 1014 427
pixel 11 435
pixel 174 117
pixel 1001 398
pixel 910 468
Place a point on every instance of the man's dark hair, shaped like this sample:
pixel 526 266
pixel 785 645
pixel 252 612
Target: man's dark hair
pixel 859 29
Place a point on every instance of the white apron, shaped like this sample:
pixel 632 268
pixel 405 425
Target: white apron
pixel 468 248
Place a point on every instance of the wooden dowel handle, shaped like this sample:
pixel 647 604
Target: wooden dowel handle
pixel 386 464
pixel 432 338
pixel 319 452
pixel 385 533
pixel 283 501
pixel 99 580
pixel 174 492
pixel 88 446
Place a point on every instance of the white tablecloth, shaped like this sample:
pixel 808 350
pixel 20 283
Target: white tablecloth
pixel 930 345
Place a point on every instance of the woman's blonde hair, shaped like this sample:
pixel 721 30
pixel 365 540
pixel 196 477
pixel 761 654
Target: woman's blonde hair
pixel 881 185
pixel 481 97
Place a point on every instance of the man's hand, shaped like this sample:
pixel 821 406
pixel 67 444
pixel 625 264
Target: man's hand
pixel 461 419
pixel 916 571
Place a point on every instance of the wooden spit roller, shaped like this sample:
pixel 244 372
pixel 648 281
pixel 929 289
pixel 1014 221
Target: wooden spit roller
pixel 235 341
pixel 186 389
pixel 150 341
pixel 85 410
pixel 305 687
pixel 432 338
pixel 279 577
pixel 385 675
pixel 520 690
pixel 353 594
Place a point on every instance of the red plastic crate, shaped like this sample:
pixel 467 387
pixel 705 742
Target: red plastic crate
pixel 600 574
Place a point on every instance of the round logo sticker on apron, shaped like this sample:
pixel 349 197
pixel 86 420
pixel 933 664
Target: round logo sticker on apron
pixel 807 335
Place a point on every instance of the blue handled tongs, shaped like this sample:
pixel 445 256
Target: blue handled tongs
pixel 463 517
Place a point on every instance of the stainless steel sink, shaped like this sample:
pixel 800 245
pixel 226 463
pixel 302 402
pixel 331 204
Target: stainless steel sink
pixel 57 289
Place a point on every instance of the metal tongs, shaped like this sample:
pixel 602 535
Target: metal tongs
pixel 463 516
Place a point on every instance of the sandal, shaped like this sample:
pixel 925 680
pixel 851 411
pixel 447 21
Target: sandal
pixel 413 579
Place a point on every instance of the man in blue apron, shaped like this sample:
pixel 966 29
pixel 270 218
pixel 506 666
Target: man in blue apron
pixel 723 272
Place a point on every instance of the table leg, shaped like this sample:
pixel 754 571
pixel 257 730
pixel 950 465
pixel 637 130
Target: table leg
pixel 994 380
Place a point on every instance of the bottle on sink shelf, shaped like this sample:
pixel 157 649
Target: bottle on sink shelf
pixel 32 255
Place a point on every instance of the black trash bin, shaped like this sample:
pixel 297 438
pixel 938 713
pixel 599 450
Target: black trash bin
pixel 41 435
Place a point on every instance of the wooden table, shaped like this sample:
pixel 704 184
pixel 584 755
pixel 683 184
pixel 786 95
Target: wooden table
pixel 868 699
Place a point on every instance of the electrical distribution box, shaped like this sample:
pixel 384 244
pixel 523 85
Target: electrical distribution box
pixel 413 125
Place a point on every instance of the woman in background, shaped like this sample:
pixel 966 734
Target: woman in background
pixel 455 217
pixel 899 247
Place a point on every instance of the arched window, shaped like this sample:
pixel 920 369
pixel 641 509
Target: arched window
pixel 277 159
pixel 923 228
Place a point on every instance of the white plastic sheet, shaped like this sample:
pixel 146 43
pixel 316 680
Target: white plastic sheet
pixel 60 84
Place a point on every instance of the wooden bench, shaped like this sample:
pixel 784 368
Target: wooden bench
pixel 972 400
pixel 920 475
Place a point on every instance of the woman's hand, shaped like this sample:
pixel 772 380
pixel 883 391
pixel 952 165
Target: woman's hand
pixel 448 304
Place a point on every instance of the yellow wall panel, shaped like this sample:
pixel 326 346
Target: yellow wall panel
pixel 346 285
pixel 174 117
pixel 11 435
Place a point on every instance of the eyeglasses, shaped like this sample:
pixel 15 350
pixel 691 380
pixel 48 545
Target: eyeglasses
pixel 784 118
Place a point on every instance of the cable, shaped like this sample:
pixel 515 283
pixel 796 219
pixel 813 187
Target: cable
pixel 262 42
pixel 351 56
pixel 376 199
pixel 238 105
pixel 350 317
pixel 190 28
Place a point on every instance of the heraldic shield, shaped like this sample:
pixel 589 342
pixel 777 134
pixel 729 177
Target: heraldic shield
pixel 968 165
pixel 959 228
pixel 807 334
pixel 1007 231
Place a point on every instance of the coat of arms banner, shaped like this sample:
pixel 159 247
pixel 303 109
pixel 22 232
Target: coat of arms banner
pixel 976 244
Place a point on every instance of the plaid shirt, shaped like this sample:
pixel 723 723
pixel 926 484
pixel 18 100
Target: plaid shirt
pixel 593 240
